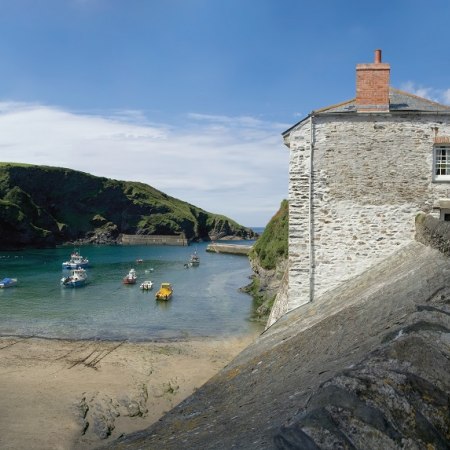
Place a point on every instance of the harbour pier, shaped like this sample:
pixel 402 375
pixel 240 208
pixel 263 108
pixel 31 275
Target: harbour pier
pixel 234 249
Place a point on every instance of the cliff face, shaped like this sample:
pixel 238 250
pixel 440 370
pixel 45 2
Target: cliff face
pixel 268 260
pixel 366 366
pixel 43 206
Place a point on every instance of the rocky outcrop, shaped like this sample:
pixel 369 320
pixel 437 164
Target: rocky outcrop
pixel 264 287
pixel 366 366
pixel 44 206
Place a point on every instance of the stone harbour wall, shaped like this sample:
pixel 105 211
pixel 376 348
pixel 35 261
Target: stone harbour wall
pixel 137 239
pixel 371 175
pixel 235 249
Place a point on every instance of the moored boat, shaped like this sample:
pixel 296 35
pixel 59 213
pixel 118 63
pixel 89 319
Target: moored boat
pixel 76 278
pixel 146 285
pixel 76 261
pixel 195 260
pixel 165 292
pixel 130 278
pixel 8 282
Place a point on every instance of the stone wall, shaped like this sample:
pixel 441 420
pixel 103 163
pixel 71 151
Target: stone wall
pixel 371 175
pixel 137 239
pixel 234 249
pixel 433 232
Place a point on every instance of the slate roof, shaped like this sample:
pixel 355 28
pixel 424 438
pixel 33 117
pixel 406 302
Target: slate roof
pixel 398 101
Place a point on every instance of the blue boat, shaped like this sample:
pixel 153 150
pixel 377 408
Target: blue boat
pixel 76 278
pixel 8 282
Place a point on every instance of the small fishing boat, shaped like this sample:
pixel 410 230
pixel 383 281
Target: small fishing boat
pixel 195 260
pixel 146 285
pixel 8 282
pixel 130 278
pixel 165 292
pixel 76 278
pixel 139 261
pixel 76 261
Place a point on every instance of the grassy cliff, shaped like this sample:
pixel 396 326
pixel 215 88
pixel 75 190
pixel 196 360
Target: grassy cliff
pixel 272 246
pixel 268 259
pixel 45 206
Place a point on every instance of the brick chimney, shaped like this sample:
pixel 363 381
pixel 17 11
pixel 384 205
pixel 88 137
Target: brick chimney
pixel 372 86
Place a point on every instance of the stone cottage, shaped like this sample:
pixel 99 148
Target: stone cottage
pixel 359 173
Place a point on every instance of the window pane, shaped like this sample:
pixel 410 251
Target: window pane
pixel 442 161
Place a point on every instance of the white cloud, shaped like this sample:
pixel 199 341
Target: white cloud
pixel 433 94
pixel 236 166
pixel 446 96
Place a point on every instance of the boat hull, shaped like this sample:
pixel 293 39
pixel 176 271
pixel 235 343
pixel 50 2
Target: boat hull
pixel 146 286
pixel 77 278
pixel 74 284
pixel 130 278
pixel 75 265
pixel 10 282
pixel 165 292
pixel 163 297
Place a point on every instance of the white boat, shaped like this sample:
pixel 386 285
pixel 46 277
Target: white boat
pixel 130 278
pixel 76 278
pixel 195 260
pixel 8 282
pixel 146 285
pixel 76 261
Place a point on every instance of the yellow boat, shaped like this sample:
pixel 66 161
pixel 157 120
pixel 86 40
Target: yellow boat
pixel 165 292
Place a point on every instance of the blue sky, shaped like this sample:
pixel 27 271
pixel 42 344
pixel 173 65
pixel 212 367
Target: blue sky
pixel 190 96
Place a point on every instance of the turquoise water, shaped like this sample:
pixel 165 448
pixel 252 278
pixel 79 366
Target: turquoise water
pixel 206 300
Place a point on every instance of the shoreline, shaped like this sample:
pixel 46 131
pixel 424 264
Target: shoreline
pixel 83 393
pixel 156 340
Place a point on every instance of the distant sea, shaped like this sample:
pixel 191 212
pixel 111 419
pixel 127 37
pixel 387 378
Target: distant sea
pixel 206 300
pixel 258 230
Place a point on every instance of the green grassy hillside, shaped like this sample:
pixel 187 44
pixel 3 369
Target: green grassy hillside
pixel 272 246
pixel 268 258
pixel 44 206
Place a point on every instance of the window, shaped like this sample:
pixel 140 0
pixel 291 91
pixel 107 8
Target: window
pixel 441 162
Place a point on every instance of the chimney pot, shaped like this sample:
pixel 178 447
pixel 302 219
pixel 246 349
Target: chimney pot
pixel 378 56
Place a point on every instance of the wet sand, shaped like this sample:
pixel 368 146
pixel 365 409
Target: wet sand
pixel 60 394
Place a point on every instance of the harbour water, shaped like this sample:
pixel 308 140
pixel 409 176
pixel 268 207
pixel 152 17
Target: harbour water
pixel 206 299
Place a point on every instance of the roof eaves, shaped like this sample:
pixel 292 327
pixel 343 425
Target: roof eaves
pixel 285 133
pixel 317 111
pixel 337 105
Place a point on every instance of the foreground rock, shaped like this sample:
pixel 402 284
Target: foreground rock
pixel 364 367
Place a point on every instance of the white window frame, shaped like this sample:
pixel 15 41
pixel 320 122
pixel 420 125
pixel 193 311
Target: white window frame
pixel 441 162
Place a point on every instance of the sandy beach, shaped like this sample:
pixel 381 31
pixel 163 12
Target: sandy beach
pixel 60 394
